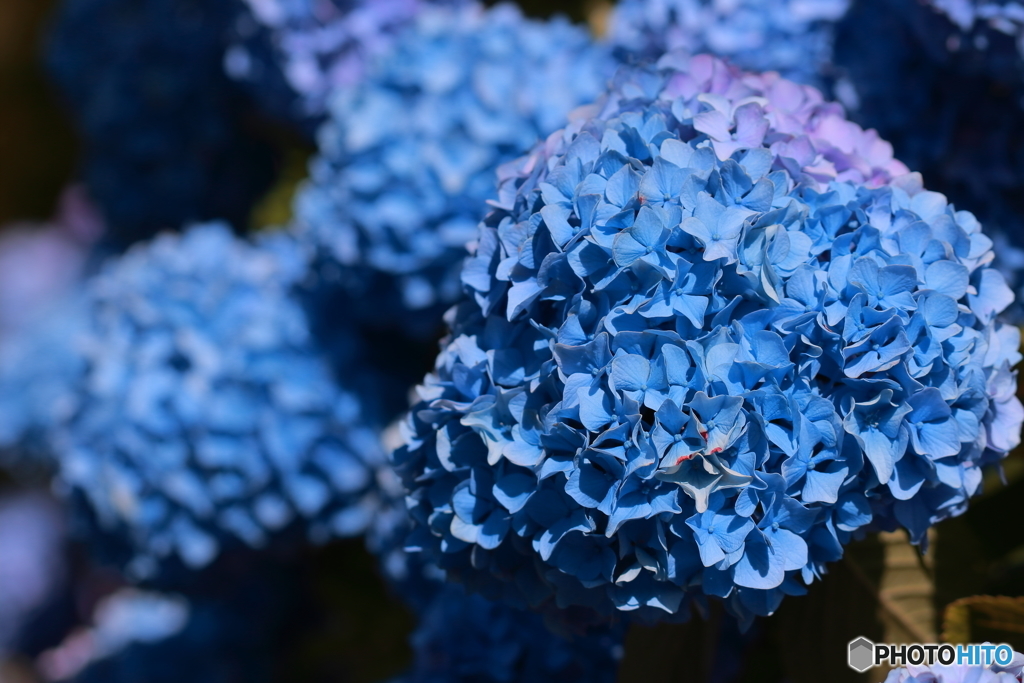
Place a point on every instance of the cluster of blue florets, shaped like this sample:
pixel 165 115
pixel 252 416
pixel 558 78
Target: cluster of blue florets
pixel 956 67
pixel 407 160
pixel 204 413
pixel 700 355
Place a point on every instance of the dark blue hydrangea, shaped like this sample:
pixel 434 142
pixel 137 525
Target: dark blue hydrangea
pixel 407 159
pixel 237 627
pixel 1005 16
pixel 702 349
pixel 462 637
pixel 957 74
pixel 166 136
pixel 315 47
pixel 205 417
pixel 792 37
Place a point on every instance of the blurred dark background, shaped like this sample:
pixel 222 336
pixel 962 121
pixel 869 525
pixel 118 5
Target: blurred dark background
pixel 37 146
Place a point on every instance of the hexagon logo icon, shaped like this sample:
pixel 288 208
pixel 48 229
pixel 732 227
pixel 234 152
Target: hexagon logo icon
pixel 861 656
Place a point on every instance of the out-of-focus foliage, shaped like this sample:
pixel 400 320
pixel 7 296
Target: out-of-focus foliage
pixel 37 149
pixel 167 139
pixel 985 619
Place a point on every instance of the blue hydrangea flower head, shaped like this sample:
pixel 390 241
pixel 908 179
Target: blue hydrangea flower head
pixel 317 46
pixel 792 37
pixel 407 159
pixel 960 673
pixel 712 331
pixel 205 415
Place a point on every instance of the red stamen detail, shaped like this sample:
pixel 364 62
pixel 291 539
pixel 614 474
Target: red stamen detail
pixel 717 449
pixel 681 458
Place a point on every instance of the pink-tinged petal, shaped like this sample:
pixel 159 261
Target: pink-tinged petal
pixel 725 148
pixel 786 96
pixel 821 170
pixel 714 124
pixel 798 149
pixel 839 133
pixel 751 125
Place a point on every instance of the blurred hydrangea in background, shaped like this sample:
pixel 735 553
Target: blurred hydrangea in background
pixel 41 264
pixel 406 163
pixel 407 158
pixel 1006 16
pixel 33 565
pixel 204 412
pixel 126 617
pixel 41 270
pixel 316 46
pixel 793 37
pixel 713 333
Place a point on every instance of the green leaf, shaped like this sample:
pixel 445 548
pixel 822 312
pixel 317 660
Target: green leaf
pixel 985 618
pixel 275 208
